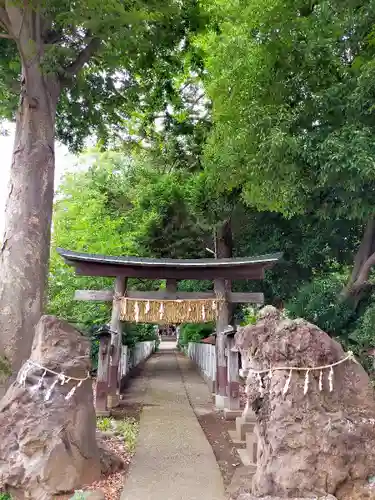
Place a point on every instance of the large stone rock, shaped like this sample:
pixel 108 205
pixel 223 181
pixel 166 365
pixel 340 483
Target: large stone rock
pixel 315 444
pixel 49 448
pixel 110 463
pixel 247 496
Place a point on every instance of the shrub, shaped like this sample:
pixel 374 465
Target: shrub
pixel 140 332
pixel 362 338
pixel 132 334
pixel 320 303
pixel 248 316
pixel 104 424
pixel 364 331
pixel 128 429
pixel 5 496
pixel 5 370
pixel 194 333
pixel 79 495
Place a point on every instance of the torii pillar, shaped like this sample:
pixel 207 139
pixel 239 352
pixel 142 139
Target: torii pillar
pixel 116 343
pixel 221 396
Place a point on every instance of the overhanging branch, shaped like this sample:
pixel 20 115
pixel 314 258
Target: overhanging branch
pixel 365 270
pixel 4 18
pixel 83 57
pixel 6 36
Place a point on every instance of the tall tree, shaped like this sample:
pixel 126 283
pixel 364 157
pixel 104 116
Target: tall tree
pixel 292 85
pixel 136 208
pixel 79 67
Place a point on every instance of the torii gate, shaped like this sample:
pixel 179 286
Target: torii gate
pixel 221 271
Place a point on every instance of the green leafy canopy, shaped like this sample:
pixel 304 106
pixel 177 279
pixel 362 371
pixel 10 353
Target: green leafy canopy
pixel 292 90
pixel 113 57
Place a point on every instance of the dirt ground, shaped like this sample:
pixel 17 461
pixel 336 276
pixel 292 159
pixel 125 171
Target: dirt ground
pixel 216 430
pixel 112 484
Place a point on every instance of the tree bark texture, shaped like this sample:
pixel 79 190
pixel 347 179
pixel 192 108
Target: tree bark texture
pixel 224 240
pixel 24 253
pixel 224 250
pixel 363 263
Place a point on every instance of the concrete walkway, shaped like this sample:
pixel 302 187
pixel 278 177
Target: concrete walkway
pixel 173 460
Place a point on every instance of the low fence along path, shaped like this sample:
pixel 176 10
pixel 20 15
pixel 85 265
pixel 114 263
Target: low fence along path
pixel 173 458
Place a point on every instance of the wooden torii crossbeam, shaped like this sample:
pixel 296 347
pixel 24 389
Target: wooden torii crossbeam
pixel 221 271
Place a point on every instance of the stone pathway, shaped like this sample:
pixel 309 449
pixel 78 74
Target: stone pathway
pixel 173 460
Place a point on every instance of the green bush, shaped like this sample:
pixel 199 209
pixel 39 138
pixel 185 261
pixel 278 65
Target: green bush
pixel 248 316
pixel 132 334
pixel 320 303
pixel 79 495
pixel 129 430
pixel 364 331
pixel 104 424
pixel 141 332
pixel 362 338
pixel 194 333
pixel 5 496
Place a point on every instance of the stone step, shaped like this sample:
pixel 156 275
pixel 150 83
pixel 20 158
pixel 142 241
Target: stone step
pixel 245 459
pixel 234 438
pixel 242 479
pixel 252 446
pixel 242 427
pixel 232 414
pixel 103 413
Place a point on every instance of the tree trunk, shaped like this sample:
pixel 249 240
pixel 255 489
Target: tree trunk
pixel 24 253
pixel 363 262
pixel 224 249
pixel 224 240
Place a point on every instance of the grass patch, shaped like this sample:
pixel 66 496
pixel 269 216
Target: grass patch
pixel 127 428
pixel 78 495
pixel 104 424
pixel 5 373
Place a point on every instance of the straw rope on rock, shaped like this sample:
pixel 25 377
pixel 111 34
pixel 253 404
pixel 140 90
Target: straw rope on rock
pixel 169 311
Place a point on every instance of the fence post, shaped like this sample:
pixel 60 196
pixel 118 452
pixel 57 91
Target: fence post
pixel 213 363
pixel 214 360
